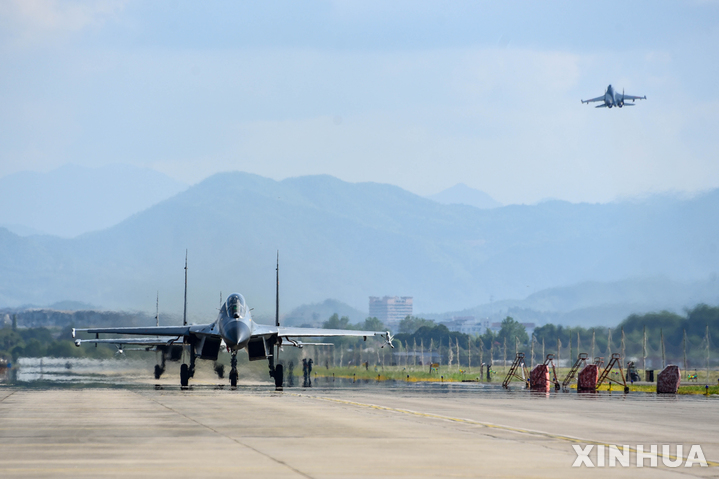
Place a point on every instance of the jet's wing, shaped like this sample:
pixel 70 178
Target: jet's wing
pixel 325 333
pixel 289 332
pixel 300 344
pixel 143 330
pixel 134 341
pixel 599 98
pixel 630 97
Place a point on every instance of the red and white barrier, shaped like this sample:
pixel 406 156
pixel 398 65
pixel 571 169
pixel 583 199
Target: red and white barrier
pixel 587 380
pixel 539 378
pixel 668 380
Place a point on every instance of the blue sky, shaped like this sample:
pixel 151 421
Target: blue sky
pixel 419 94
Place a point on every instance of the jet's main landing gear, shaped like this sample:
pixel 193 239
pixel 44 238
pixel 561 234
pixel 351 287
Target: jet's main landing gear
pixel 233 370
pixel 184 375
pixel 276 372
pixel 187 370
pixel 279 377
pixel 160 368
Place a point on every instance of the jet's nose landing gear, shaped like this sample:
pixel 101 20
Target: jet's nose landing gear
pixel 233 370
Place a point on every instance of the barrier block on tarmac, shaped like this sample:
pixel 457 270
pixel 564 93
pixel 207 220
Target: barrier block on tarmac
pixel 587 380
pixel 539 378
pixel 668 380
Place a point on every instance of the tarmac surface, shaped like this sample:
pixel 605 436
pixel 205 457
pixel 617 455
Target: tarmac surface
pixel 341 430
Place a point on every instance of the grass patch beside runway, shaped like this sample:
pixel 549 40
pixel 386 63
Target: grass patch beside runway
pixel 445 375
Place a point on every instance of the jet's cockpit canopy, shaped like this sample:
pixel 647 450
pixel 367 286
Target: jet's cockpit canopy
pixel 236 307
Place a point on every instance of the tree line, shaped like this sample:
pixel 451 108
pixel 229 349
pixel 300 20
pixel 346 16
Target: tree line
pixel 667 334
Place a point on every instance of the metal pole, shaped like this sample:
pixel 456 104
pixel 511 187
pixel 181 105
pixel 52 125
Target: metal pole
pixel 469 353
pixel 707 353
pixel 481 357
pixel 609 344
pixel 661 335
pixel 644 351
pixel 594 341
pixel 624 345
pixel 504 369
pixel 532 351
pixel 579 347
pixel 458 361
pixel 686 368
pixel 559 346
pixel 414 360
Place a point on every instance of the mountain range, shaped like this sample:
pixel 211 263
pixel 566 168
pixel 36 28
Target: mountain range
pixel 350 241
pixel 461 194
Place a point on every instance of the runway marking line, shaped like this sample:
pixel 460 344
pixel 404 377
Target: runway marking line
pixel 517 430
pixel 1 400
pixel 227 436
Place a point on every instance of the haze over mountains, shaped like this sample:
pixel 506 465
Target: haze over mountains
pixel 461 194
pixel 349 241
pixel 72 200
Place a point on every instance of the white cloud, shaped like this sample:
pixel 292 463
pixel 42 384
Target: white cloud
pixel 34 22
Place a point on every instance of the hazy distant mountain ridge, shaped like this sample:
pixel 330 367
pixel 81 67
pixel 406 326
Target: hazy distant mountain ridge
pixel 317 313
pixel 72 199
pixel 351 241
pixel 461 194
pixel 597 303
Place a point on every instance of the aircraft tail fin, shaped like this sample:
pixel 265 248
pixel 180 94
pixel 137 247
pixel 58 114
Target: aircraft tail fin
pixel 184 310
pixel 277 291
pixel 157 310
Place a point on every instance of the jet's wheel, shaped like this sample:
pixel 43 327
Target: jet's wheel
pixel 233 378
pixel 158 371
pixel 279 376
pixel 184 375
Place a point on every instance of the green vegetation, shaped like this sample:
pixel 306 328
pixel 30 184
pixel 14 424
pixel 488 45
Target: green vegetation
pixel 43 342
pixel 398 374
pixel 670 326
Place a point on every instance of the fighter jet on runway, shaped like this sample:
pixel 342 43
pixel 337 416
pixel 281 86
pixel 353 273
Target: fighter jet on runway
pixel 233 329
pixel 612 98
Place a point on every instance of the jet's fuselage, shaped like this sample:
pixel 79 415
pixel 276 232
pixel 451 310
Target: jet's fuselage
pixel 235 322
pixel 609 97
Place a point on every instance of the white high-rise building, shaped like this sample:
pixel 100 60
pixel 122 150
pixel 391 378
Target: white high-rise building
pixel 390 309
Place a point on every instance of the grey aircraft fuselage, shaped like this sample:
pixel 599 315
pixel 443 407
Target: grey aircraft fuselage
pixel 235 322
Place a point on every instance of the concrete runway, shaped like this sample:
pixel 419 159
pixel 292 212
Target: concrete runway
pixel 361 431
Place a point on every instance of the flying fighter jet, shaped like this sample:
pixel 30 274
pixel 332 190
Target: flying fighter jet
pixel 233 329
pixel 612 98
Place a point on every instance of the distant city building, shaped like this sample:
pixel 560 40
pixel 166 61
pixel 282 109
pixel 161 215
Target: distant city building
pixel 466 324
pixel 528 326
pixel 390 309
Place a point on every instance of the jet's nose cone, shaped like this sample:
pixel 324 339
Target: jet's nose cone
pixel 236 334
